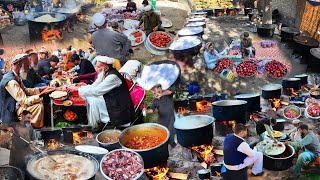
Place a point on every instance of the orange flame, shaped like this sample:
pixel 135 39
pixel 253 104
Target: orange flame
pixel 220 13
pixel 205 152
pixel 182 110
pixel 217 173
pixel 231 12
pixel 77 138
pixel 52 144
pixel 157 173
pixel 87 134
pixel 202 106
pixel 293 92
pixel 230 123
pixel 275 103
pixel 49 35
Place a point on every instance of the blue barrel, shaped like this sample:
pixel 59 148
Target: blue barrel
pixel 193 88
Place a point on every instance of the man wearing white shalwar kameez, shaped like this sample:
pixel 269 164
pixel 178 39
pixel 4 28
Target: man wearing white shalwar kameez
pixel 94 94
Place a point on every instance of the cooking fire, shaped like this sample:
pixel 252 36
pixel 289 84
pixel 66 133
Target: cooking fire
pixel 292 92
pixel 205 152
pixel 78 137
pixel 158 172
pixel 203 106
pixel 52 144
pixel 50 35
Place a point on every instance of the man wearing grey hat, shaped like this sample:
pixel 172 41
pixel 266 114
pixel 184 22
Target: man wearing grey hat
pixel 108 42
pixel 15 97
pixel 108 97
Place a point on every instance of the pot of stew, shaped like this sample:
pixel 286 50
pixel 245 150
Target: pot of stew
pixel 150 140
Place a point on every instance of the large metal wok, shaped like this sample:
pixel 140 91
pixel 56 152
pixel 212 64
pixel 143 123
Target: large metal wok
pixel 37 156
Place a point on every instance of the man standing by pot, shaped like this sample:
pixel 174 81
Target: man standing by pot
pixel 311 146
pixel 238 155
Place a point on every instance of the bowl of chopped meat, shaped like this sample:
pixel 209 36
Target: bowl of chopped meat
pixel 122 164
pixel 150 140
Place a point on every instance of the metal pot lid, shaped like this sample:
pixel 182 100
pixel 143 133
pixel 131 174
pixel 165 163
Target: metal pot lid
pixel 290 30
pixel 187 31
pixel 281 120
pixel 242 96
pixel 301 75
pixel 229 103
pixel 192 122
pixel 197 19
pixel 199 13
pixel 57 16
pixel 195 24
pixel 291 79
pixel 315 52
pixel 271 87
pixel 186 42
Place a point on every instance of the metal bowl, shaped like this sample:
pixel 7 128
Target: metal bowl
pixel 294 108
pixel 109 146
pixel 11 172
pixel 159 32
pixel 107 177
pixel 308 115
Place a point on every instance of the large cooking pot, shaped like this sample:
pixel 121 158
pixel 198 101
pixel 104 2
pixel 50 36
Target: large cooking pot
pixel 187 44
pixel 271 91
pixel 280 162
pixel 253 101
pixel 152 156
pixel 291 83
pixel 11 172
pixel 303 78
pixel 280 125
pixel 51 133
pixel 227 110
pixel 314 62
pixel 191 31
pixel 38 156
pixel 194 130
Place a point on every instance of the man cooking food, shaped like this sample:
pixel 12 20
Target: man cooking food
pixel 108 97
pixel 20 149
pixel 238 155
pixel 15 97
pixel 265 125
pixel 150 21
pixel 311 146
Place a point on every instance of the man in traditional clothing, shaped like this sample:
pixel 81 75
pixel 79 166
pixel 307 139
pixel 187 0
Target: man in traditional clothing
pixel 15 97
pixel 108 42
pixel 311 145
pixel 21 149
pixel 108 97
pixel 238 155
pixel 151 21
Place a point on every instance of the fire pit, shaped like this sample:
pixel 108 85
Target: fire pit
pixel 76 134
pixel 45 26
pixel 51 138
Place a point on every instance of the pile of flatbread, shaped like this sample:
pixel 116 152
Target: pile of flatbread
pixel 58 94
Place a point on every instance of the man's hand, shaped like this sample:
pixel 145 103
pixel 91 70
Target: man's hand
pixel 81 84
pixel 73 88
pixel 46 91
pixel 10 129
pixel 42 88
pixel 155 28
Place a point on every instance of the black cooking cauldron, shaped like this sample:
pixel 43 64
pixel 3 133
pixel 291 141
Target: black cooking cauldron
pixel 152 156
pixel 303 78
pixel 280 162
pixel 314 62
pixel 291 83
pixel 227 110
pixel 271 91
pixel 253 101
pixel 194 130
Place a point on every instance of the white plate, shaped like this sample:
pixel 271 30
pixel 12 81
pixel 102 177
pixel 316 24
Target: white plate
pixel 91 149
pixel 130 24
pixel 132 38
pixel 166 23
pixel 276 150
